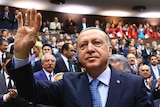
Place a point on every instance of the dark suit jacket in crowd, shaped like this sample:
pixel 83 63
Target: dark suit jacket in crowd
pixel 152 72
pixel 61 66
pixel 40 75
pixel 80 27
pixel 16 102
pixel 125 90
pixel 37 66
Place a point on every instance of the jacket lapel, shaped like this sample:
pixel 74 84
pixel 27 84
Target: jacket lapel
pixel 83 93
pixel 116 86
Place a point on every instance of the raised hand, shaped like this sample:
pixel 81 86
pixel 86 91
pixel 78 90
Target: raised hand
pixel 27 35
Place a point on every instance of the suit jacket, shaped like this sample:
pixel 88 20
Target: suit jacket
pixel 16 102
pixel 80 27
pixel 37 66
pixel 40 75
pixel 152 72
pixel 125 90
pixel 6 23
pixel 61 66
pixel 145 56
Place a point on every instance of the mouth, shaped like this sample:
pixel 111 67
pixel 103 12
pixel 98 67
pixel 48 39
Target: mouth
pixel 91 58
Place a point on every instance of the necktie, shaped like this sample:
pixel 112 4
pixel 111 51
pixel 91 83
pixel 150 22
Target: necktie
pixel 50 77
pixel 70 66
pixel 95 93
pixel 9 83
pixel 3 60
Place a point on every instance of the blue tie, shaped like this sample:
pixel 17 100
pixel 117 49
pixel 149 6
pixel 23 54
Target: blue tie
pixel 96 99
pixel 50 77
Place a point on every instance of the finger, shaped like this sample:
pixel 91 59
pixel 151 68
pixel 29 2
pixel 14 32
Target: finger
pixel 19 19
pixel 33 17
pixel 27 21
pixel 38 23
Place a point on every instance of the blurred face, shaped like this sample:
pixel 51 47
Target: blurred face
pixel 4 46
pixel 68 40
pixel 5 34
pixel 46 32
pixel 153 60
pixel 70 52
pixel 49 63
pixel 46 49
pixel 132 50
pixel 93 50
pixel 131 58
pixel 145 71
pixel 36 51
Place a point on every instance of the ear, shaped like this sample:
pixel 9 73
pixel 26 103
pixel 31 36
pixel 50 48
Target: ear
pixel 110 50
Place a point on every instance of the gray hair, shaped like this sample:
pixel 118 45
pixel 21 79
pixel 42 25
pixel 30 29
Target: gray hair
pixel 43 57
pixel 95 28
pixel 125 66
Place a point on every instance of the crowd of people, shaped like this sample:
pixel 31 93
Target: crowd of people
pixel 79 48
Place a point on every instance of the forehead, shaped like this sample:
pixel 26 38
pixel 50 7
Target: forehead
pixel 91 34
pixel 46 47
pixel 48 57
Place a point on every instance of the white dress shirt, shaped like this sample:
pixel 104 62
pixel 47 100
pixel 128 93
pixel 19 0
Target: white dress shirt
pixel 156 71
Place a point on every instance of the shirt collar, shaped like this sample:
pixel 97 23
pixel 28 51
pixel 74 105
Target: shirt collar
pixel 104 77
pixel 64 58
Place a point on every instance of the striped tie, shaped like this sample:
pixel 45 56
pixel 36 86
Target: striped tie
pixel 95 93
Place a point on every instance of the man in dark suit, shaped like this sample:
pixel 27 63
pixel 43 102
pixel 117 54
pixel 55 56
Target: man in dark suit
pixel 46 73
pixel 83 25
pixel 116 89
pixel 48 64
pixel 6 18
pixel 46 48
pixel 65 63
pixel 8 93
pixel 155 70
pixel 150 83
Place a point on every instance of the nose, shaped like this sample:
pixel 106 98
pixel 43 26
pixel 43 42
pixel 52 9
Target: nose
pixel 90 48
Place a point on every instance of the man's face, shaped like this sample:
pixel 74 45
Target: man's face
pixel 49 63
pixel 145 71
pixel 4 46
pixel 93 50
pixel 46 49
pixel 131 58
pixel 153 60
pixel 70 52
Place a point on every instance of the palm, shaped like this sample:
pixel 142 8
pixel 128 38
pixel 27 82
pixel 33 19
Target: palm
pixel 26 35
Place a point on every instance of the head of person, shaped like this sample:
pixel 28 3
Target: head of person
pixel 48 62
pixel 4 33
pixel 37 49
pixel 47 32
pixel 3 45
pixel 94 48
pixel 47 48
pixel 145 71
pixel 131 58
pixel 132 50
pixel 119 62
pixel 68 39
pixel 153 60
pixel 68 50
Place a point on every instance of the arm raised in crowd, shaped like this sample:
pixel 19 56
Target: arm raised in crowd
pixel 27 35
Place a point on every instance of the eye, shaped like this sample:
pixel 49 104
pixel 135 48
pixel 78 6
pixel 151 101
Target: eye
pixel 97 43
pixel 83 45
